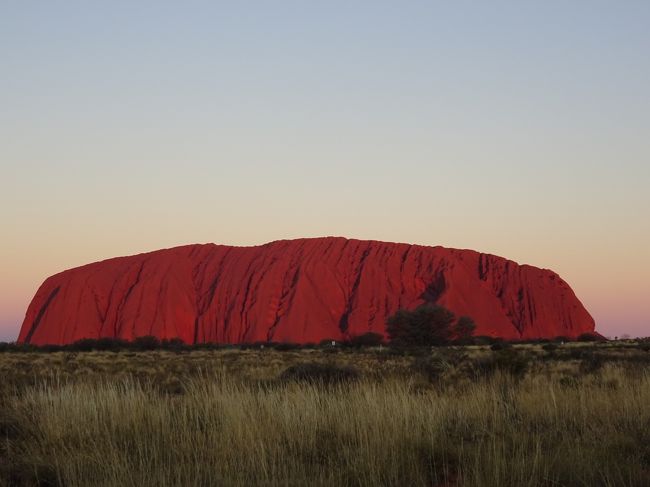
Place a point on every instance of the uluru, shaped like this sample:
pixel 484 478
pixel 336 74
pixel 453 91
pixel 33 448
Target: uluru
pixel 300 291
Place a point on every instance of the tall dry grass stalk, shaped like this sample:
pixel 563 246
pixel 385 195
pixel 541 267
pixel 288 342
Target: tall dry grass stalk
pixel 222 430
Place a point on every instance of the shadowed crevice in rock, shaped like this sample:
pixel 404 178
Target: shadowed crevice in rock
pixel 41 313
pixel 435 289
pixel 344 321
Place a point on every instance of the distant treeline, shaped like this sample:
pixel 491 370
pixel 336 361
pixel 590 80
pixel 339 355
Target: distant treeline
pixel 146 343
pixel 428 325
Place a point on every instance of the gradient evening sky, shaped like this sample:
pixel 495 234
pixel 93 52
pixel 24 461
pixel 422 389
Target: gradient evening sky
pixel 515 128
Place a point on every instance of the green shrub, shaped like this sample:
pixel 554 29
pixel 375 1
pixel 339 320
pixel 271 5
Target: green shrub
pixel 51 348
pixel 89 344
pixel 174 344
pixel 484 340
pixel 549 347
pixel 17 347
pixel 590 337
pixel 500 345
pixel 370 339
pixel 286 347
pixel 147 342
pixel 209 346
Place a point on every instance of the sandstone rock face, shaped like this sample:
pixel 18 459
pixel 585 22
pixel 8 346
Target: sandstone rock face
pixel 296 291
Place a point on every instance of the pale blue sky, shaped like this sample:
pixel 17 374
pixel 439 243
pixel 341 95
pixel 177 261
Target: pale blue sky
pixel 516 128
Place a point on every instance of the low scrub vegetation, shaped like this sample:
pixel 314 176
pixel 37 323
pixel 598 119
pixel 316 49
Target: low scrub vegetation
pixel 320 373
pixel 573 414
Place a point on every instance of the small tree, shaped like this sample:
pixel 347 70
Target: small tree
pixel 175 344
pixel 426 325
pixel 590 337
pixel 464 329
pixel 369 339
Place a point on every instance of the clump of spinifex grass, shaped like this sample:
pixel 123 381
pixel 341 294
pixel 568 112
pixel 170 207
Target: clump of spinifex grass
pixel 470 417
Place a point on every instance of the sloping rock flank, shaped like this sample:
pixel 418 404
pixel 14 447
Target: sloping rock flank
pixel 296 291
